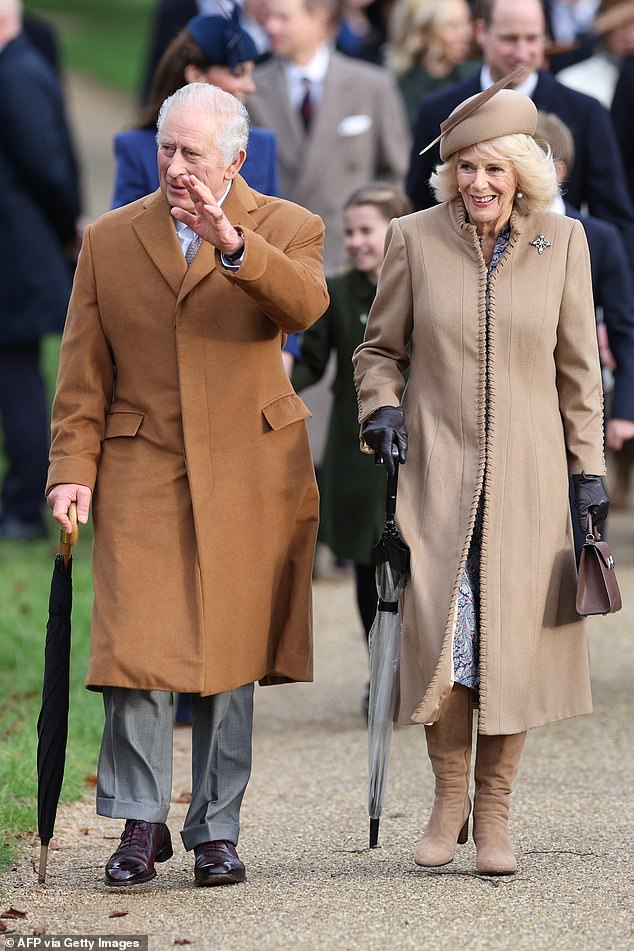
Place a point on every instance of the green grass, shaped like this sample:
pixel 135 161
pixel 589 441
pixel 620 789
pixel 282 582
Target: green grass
pixel 25 574
pixel 107 39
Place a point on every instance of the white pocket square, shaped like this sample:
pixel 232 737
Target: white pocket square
pixel 354 125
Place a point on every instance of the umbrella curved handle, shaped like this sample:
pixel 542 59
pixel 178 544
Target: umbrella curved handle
pixel 68 539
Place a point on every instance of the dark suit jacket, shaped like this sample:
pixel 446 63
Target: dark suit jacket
pixel 42 36
pixel 623 118
pixel 614 293
pixel 39 200
pixel 136 172
pixel 597 178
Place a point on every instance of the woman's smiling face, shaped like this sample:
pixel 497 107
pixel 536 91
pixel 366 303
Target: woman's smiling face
pixel 488 190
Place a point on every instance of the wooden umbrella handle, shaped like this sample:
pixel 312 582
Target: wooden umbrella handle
pixel 68 539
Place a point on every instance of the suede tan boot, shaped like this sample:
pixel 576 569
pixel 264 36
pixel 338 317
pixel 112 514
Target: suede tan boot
pixel 449 749
pixel 497 763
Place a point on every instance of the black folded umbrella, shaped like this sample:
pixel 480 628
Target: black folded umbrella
pixel 391 556
pixel 52 723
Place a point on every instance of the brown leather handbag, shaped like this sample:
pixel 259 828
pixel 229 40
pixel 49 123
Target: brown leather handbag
pixel 597 586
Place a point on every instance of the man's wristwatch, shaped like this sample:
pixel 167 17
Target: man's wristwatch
pixel 234 254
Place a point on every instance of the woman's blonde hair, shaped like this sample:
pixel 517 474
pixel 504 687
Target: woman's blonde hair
pixel 534 168
pixel 413 25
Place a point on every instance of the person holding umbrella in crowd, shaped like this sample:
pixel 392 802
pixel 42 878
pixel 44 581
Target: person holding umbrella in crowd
pixel 199 470
pixel 486 301
pixel 352 506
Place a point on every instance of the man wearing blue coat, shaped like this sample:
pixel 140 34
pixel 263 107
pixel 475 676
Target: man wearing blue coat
pixel 39 205
pixel 511 33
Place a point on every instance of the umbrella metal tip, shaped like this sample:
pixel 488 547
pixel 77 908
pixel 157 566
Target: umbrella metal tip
pixel 374 833
pixel 41 877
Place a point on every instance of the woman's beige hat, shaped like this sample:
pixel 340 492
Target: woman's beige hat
pixel 494 112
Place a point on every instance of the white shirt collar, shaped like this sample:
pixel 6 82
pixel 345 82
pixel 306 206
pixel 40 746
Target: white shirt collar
pixel 569 20
pixel 558 205
pixel 315 69
pixel 527 87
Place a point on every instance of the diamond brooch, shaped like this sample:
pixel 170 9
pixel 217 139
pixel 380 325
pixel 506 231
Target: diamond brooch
pixel 541 243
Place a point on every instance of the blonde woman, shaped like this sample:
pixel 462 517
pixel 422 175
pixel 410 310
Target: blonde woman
pixel 429 46
pixel 485 302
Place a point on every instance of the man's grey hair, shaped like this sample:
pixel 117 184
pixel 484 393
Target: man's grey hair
pixel 232 130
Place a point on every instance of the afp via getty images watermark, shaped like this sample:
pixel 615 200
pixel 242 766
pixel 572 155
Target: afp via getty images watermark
pixel 76 942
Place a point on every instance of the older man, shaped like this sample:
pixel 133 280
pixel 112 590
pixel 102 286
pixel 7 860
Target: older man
pixel 173 406
pixel 511 33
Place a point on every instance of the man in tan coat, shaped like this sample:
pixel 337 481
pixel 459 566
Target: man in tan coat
pixel 174 413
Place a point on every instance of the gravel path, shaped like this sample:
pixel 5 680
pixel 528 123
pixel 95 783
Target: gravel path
pixel 313 884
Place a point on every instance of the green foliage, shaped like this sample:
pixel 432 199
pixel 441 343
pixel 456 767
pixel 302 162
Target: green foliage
pixel 107 39
pixel 25 576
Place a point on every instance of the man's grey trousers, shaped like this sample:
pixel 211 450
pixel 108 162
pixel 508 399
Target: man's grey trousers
pixel 134 778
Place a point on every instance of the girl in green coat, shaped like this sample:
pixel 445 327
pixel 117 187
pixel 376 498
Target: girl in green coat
pixel 352 487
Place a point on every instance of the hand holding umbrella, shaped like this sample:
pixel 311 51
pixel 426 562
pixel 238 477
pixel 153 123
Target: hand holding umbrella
pixel 385 433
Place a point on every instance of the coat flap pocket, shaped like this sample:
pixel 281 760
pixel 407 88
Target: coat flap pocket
pixel 284 410
pixel 122 424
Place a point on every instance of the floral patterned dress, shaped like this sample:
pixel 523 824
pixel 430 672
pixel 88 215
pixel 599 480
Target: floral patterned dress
pixel 466 645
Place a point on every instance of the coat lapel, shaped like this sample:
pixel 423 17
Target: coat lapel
pixel 155 229
pixel 280 115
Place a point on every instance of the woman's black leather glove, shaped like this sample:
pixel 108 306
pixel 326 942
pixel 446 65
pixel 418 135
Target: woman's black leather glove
pixel 590 496
pixel 386 426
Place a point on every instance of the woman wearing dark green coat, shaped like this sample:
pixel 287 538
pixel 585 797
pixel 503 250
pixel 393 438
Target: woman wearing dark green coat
pixel 352 487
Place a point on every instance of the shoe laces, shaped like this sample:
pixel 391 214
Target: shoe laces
pixel 134 832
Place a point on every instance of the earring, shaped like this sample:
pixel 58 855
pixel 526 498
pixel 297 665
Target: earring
pixel 519 194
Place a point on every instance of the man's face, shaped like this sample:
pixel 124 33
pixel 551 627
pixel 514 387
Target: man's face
pixel 295 32
pixel 186 147
pixel 514 38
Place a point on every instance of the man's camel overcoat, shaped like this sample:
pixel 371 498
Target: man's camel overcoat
pixel 173 403
pixel 545 421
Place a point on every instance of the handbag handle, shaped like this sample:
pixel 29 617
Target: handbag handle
pixel 593 534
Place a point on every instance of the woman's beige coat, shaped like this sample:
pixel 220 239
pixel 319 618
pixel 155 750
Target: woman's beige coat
pixel 545 422
pixel 205 503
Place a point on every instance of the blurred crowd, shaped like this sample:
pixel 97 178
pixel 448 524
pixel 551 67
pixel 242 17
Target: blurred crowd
pixel 342 97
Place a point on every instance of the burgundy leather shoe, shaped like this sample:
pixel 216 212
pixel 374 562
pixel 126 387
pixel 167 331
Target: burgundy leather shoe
pixel 142 844
pixel 217 863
